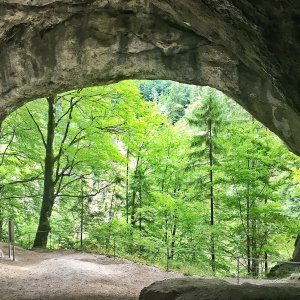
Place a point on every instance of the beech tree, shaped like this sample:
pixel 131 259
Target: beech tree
pixel 254 177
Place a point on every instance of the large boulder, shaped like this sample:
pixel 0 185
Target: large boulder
pixel 248 49
pixel 284 270
pixel 213 289
pixel 295 277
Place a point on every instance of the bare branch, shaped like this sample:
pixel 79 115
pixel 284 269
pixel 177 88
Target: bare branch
pixel 112 128
pixel 76 138
pixel 20 197
pixel 67 111
pixel 21 181
pixel 89 195
pixel 72 104
pixel 37 126
pixel 7 146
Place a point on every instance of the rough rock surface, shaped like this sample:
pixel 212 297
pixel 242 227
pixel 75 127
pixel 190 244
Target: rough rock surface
pixel 295 277
pixel 283 270
pixel 296 253
pixel 212 289
pixel 248 49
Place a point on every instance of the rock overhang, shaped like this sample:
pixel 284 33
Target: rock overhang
pixel 249 51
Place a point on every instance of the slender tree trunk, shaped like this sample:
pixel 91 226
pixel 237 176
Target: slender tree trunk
pixel 132 218
pixel 174 229
pixel 164 178
pixel 48 193
pixel 111 214
pixel 132 213
pixel 266 264
pixel 140 201
pixel 212 221
pixel 166 227
pixel 248 240
pixel 255 255
pixel 127 186
pixel 134 194
pixel 173 233
pixel 111 210
pixel 266 241
pixel 81 218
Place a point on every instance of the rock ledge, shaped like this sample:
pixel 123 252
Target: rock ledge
pixel 214 289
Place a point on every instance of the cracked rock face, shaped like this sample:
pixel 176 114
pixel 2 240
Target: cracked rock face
pixel 248 49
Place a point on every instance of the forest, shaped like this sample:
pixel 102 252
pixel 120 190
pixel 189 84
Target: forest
pixel 157 171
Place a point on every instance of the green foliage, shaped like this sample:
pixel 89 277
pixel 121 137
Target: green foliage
pixel 134 175
pixel 172 97
pixel 155 89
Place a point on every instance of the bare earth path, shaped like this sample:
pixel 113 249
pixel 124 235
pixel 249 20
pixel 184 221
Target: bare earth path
pixel 68 275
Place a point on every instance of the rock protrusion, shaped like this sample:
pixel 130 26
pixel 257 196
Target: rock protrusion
pixel 213 289
pixel 247 49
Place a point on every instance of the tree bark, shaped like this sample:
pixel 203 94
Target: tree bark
pixel 134 192
pixel 132 214
pixel 248 239
pixel 140 200
pixel 212 238
pixel 166 228
pixel 127 185
pixel 173 233
pixel 48 193
pixel 266 241
pixel 81 218
pixel 255 255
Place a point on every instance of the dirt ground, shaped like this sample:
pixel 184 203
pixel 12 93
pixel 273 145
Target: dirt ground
pixel 73 275
pixel 66 275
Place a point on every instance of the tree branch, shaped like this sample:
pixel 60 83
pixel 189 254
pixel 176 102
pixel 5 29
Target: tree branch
pixel 72 104
pixel 21 181
pixel 7 146
pixel 37 126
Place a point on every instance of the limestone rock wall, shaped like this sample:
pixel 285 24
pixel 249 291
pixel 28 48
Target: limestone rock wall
pixel 248 49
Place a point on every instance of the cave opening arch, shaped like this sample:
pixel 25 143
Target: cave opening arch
pixel 239 48
pixel 249 51
pixel 33 103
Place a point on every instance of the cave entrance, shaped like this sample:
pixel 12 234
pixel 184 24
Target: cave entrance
pixel 174 174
